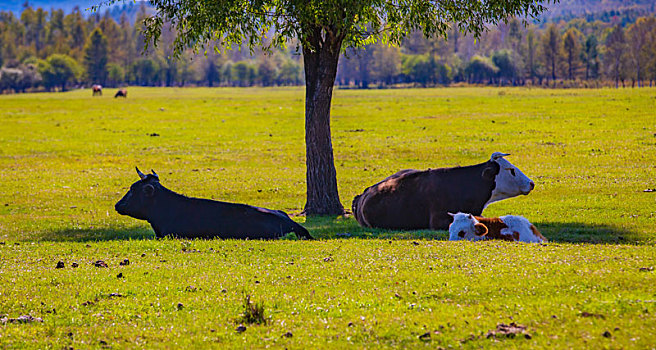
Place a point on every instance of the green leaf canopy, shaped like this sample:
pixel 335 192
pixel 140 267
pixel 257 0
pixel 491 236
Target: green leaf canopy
pixel 356 22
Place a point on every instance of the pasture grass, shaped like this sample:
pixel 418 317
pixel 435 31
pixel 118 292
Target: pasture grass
pixel 66 158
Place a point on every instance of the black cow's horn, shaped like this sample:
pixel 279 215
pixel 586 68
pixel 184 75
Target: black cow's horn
pixel 154 173
pixel 141 175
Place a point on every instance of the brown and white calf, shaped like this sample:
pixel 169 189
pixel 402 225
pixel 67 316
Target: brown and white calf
pixel 507 228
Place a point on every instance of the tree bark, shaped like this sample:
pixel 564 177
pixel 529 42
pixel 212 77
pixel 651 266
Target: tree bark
pixel 320 56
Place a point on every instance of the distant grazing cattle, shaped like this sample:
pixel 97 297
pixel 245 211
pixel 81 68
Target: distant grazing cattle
pixel 507 228
pixel 121 93
pixel 413 199
pixel 97 90
pixel 170 213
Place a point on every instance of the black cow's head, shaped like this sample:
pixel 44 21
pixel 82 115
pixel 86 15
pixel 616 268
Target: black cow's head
pixel 137 202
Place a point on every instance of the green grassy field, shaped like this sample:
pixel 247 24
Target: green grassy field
pixel 66 158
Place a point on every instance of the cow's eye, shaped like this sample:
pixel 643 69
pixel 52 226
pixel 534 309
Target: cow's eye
pixel 512 171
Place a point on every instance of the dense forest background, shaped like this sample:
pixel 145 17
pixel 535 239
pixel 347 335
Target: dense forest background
pixel 578 43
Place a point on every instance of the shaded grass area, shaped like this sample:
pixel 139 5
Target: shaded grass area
pixel 100 234
pixel 341 227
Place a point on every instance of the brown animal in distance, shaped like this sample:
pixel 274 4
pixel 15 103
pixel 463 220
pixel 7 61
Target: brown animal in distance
pixel 121 93
pixel 96 89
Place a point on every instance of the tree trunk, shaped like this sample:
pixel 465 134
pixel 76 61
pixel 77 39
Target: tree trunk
pixel 617 74
pixel 320 56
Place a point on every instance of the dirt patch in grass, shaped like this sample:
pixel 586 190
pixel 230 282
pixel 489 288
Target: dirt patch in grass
pixel 508 331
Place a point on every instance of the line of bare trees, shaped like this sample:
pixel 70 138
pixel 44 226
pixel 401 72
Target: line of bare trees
pixel 576 53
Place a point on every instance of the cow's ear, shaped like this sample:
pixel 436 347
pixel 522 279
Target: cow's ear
pixel 148 190
pixel 489 173
pixel 481 230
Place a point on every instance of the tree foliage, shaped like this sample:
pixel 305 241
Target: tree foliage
pixel 58 71
pixel 374 64
pixel 572 49
pixel 616 53
pixel 95 57
pixel 551 48
pixel 481 70
pixel 353 23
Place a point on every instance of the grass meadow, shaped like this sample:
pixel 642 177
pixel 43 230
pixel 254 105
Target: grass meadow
pixel 67 158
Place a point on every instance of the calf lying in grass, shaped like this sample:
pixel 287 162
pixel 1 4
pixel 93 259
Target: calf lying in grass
pixel 507 228
pixel 170 213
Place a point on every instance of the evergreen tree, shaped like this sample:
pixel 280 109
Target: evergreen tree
pixel 146 71
pixel 74 24
pixel 531 48
pixel 591 57
pixel 95 57
pixel 115 74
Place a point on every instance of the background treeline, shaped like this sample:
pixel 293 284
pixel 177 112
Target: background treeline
pixel 53 50
pixel 565 54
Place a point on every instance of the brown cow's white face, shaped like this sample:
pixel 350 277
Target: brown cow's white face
pixel 510 181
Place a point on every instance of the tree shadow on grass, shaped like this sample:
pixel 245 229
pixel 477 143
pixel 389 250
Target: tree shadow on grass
pixel 576 232
pixel 99 234
pixel 329 227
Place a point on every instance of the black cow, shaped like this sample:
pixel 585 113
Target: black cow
pixel 121 93
pixel 170 213
pixel 414 199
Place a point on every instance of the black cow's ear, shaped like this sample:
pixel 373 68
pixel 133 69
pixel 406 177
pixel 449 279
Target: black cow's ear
pixel 489 173
pixel 149 190
pixel 481 229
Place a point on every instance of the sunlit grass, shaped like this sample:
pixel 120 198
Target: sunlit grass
pixel 65 159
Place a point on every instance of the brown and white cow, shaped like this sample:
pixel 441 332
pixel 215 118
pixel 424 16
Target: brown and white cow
pixel 507 228
pixel 413 199
pixel 96 89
